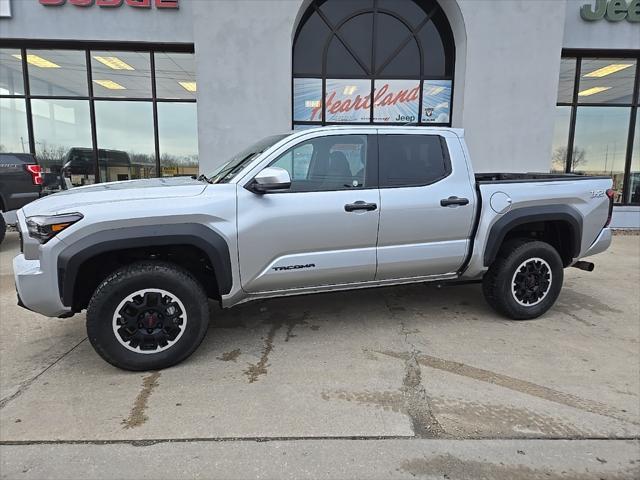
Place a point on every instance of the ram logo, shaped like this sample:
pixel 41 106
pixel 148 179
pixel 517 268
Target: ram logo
pixel 294 267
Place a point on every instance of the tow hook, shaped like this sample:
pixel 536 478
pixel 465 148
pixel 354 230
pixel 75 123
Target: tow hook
pixel 586 266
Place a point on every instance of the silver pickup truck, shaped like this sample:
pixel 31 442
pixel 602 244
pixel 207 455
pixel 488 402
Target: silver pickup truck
pixel 319 210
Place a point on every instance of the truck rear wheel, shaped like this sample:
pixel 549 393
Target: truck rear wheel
pixel 525 279
pixel 147 316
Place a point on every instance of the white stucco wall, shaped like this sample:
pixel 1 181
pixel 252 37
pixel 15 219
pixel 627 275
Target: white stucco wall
pixel 501 97
pixel 510 85
pixel 243 56
pixel 505 86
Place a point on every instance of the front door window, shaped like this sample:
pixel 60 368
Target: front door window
pixel 327 163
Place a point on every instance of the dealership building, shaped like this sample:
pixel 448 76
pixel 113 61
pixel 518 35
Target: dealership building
pixel 106 90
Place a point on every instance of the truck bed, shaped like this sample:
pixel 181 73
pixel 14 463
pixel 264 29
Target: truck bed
pixel 522 193
pixel 505 177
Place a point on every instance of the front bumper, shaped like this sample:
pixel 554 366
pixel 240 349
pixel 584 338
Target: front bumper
pixel 37 288
pixel 601 243
pixel 35 274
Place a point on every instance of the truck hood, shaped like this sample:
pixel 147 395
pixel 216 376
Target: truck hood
pixel 160 188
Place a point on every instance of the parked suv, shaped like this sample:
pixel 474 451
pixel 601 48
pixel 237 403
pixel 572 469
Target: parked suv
pixel 320 210
pixel 21 182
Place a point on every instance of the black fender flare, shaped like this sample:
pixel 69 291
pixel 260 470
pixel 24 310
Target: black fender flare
pixel 209 241
pixel 520 216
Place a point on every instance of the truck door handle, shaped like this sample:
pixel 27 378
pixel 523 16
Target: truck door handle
pixel 445 202
pixel 359 205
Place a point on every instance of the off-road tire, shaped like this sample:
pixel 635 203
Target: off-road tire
pixel 498 285
pixel 123 283
pixel 3 227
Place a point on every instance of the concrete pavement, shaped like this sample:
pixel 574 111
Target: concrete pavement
pixel 395 382
pixel 330 459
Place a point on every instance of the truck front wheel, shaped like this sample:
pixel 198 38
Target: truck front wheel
pixel 525 279
pixel 147 316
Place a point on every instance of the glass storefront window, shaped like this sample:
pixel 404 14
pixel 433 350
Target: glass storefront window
pixel 307 99
pixel 567 80
pixel 607 80
pixel 380 62
pixel 600 143
pixel 437 46
pixel 592 133
pixel 118 86
pixel 178 132
pixel 390 61
pixel 62 131
pixel 14 135
pixel 348 101
pixel 126 147
pixel 57 73
pixel 396 101
pixel 560 139
pixel 11 80
pixel 121 74
pixel 436 101
pixel 309 46
pixel 633 193
pixel 175 75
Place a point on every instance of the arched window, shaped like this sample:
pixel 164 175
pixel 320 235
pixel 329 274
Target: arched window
pixel 401 50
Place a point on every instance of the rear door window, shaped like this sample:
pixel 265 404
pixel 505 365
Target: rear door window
pixel 412 160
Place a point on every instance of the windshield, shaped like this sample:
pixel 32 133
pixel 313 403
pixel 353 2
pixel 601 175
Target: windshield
pixel 227 171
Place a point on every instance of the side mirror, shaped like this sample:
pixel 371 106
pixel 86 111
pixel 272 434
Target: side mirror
pixel 271 179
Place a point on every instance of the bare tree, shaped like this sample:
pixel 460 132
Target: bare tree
pixel 50 155
pixel 169 160
pixel 559 159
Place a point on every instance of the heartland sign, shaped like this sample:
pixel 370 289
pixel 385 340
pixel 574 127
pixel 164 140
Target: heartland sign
pixel 382 97
pixel 163 4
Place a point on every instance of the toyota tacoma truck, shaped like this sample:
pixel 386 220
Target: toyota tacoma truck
pixel 318 210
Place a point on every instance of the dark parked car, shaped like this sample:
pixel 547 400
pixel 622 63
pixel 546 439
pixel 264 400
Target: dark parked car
pixel 21 181
pixel 78 165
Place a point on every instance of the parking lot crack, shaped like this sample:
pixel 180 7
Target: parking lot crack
pixel 515 384
pixel 417 404
pixel 26 384
pixel 416 401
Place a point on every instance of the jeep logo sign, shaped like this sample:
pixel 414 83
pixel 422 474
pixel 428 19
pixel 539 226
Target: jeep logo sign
pixel 612 10
pixel 163 4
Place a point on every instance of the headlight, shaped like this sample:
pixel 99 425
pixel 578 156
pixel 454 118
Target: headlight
pixel 44 227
